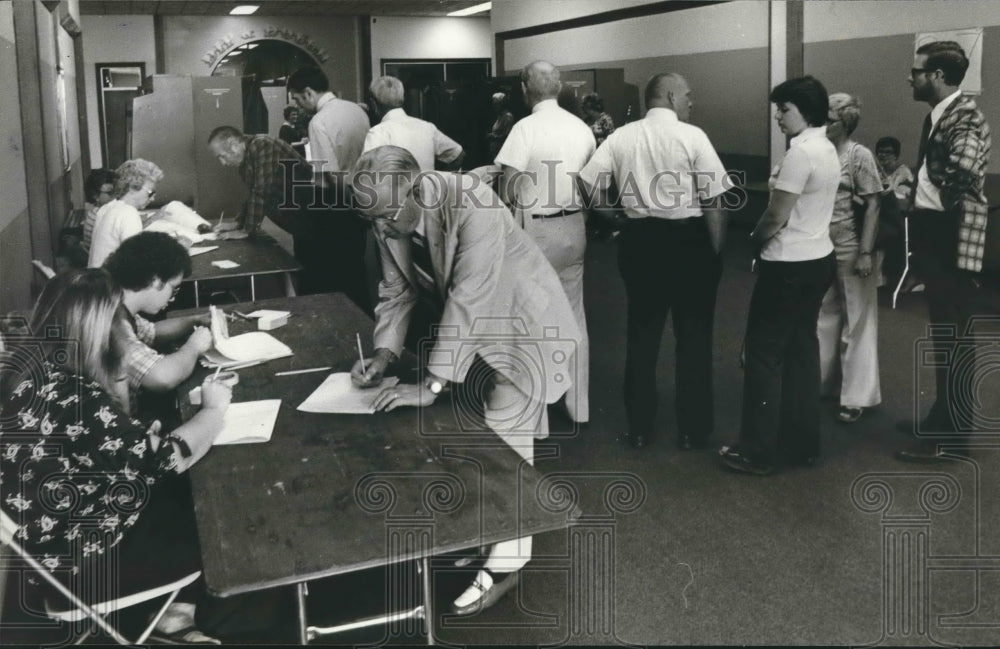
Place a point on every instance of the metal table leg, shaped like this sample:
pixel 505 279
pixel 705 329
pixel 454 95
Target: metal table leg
pixel 196 304
pixel 253 289
pixel 425 564
pixel 301 591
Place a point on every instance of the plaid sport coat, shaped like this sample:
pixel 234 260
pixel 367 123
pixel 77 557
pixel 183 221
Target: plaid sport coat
pixel 957 153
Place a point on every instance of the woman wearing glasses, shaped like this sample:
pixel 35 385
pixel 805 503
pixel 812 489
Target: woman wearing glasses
pixel 796 267
pixel 120 219
pixel 848 319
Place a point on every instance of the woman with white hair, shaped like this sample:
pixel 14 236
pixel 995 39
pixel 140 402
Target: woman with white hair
pixel 848 319
pixel 120 219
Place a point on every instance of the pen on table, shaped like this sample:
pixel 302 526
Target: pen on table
pixel 222 215
pixel 311 369
pixel 361 355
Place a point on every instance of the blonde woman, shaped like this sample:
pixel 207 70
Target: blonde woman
pixel 848 319
pixel 120 219
pixel 86 483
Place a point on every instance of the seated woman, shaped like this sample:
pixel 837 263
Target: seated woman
pixel 99 190
pixel 90 487
pixel 120 219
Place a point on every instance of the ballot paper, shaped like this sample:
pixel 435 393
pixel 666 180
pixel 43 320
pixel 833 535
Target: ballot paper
pixel 198 250
pixel 225 264
pixel 337 394
pixel 177 219
pixel 248 422
pixel 252 346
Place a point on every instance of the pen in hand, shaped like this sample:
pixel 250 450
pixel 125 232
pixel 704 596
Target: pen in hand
pixel 361 355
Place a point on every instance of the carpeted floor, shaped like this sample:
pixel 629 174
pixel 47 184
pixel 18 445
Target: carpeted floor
pixel 675 550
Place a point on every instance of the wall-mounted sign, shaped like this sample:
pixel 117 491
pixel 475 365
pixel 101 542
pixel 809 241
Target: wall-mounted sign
pixel 229 42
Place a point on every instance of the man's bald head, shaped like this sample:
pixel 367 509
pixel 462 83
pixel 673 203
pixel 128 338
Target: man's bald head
pixel 541 81
pixel 669 90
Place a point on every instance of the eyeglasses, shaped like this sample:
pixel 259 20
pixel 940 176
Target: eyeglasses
pixel 150 193
pixel 915 71
pixel 395 215
pixel 174 290
pixel 831 122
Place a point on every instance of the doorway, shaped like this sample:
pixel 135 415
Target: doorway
pixel 117 85
pixel 453 94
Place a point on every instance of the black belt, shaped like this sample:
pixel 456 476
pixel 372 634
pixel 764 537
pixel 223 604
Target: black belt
pixel 556 215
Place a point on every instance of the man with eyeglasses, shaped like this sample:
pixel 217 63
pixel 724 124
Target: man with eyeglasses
pixel 150 268
pixel 448 239
pixel 947 238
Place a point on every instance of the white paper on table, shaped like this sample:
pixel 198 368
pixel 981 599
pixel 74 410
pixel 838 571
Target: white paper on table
pixel 268 313
pixel 252 346
pixel 198 250
pixel 338 395
pixel 225 264
pixel 248 422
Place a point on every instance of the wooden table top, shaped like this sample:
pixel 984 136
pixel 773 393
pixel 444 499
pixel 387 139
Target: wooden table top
pixel 260 255
pixel 331 494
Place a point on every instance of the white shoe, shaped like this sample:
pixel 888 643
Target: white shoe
pixel 483 593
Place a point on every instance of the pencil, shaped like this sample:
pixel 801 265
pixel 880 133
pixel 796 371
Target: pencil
pixel 361 355
pixel 215 376
pixel 222 215
pixel 311 369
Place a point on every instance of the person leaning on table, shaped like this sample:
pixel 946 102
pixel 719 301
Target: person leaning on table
pixel 448 239
pixel 781 405
pixel 84 480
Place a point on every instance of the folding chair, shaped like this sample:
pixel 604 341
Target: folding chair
pixel 96 612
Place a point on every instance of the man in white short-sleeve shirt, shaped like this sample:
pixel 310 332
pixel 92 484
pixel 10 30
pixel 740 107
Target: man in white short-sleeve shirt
pixel 540 160
pixel 419 137
pixel 669 179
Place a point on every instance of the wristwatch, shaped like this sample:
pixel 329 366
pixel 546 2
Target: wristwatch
pixel 436 386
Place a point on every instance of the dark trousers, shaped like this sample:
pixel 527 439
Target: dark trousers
pixel 954 298
pixel 669 265
pixel 782 375
pixel 330 245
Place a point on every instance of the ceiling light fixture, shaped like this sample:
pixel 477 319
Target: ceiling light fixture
pixel 243 10
pixel 475 9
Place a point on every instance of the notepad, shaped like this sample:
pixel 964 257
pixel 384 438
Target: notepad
pixel 252 346
pixel 337 394
pixel 199 250
pixel 249 422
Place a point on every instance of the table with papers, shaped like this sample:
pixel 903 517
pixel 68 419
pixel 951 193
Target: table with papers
pixel 259 255
pixel 335 493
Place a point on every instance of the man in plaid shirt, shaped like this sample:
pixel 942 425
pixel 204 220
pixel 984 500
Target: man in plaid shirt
pixel 947 239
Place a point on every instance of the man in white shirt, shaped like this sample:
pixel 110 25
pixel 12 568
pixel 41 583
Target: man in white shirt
pixel 336 258
pixel 540 160
pixel 419 137
pixel 669 179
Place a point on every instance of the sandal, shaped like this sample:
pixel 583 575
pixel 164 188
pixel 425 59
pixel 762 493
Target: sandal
pixel 187 635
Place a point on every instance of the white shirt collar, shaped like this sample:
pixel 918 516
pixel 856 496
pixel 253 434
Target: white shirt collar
pixel 324 99
pixel 545 104
pixel 808 133
pixel 661 112
pixel 394 113
pixel 942 106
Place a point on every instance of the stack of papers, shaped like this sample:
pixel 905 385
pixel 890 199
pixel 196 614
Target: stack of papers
pixel 178 220
pixel 248 422
pixel 338 395
pixel 253 346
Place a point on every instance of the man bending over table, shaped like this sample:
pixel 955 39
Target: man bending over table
pixel 448 240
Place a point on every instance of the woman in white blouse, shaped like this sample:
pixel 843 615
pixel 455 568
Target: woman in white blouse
pixel 120 219
pixel 781 408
